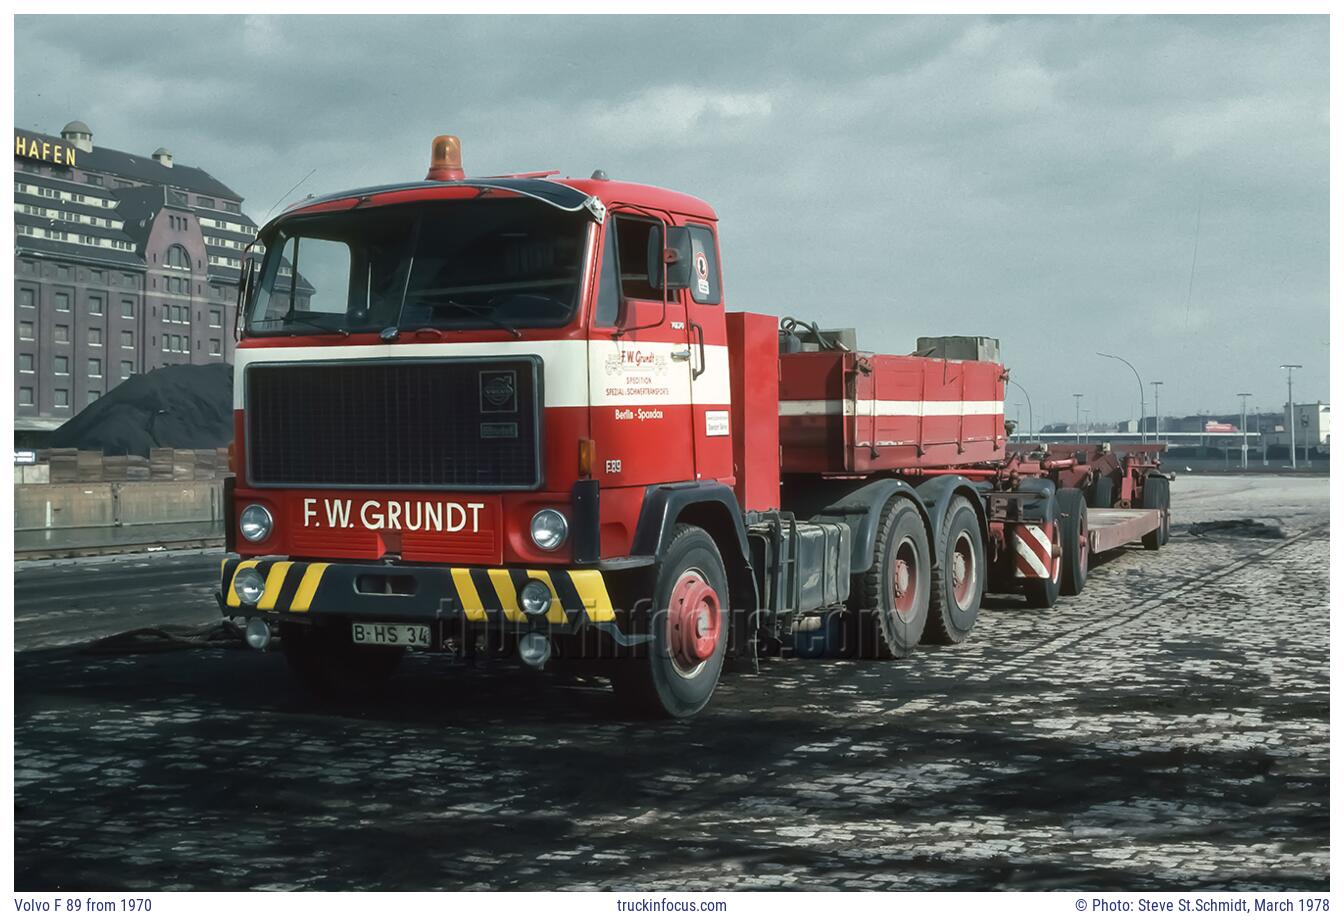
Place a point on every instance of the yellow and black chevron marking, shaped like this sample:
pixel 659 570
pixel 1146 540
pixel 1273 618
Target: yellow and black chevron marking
pixel 479 594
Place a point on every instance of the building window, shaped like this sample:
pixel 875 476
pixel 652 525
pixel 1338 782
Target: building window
pixel 122 183
pixel 27 297
pixel 61 364
pixel 93 394
pixel 92 179
pixel 96 276
pixel 95 305
pixel 26 364
pixel 129 280
pixel 177 258
pixel 25 396
pixel 29 266
pixel 215 347
pixel 62 272
pixel 216 318
pixel 127 369
pixel 128 340
pixel 203 202
pixel 128 308
pixel 62 400
pixel 62 334
pixel 26 330
pixel 232 207
pixel 62 301
pixel 96 337
pixel 95 367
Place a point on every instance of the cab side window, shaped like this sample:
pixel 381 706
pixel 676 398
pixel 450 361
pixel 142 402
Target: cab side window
pixel 632 243
pixel 705 286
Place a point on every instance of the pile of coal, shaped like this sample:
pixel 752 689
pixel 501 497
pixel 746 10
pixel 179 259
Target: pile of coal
pixel 182 405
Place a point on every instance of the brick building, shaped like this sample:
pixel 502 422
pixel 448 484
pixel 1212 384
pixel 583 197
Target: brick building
pixel 122 263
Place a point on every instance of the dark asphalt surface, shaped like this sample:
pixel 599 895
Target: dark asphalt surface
pixel 1169 729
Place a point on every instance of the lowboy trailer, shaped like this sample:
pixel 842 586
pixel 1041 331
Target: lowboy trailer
pixel 510 415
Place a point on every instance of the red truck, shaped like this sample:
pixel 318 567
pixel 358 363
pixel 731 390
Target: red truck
pixel 510 415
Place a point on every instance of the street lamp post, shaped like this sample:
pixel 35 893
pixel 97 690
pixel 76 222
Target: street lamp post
pixel 1031 421
pixel 1243 428
pixel 1078 418
pixel 1143 406
pixel 1157 413
pixel 1292 412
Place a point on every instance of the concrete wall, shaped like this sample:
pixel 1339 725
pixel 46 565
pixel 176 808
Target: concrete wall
pixel 40 506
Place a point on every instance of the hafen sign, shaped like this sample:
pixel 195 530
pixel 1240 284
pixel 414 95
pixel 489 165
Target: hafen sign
pixel 36 148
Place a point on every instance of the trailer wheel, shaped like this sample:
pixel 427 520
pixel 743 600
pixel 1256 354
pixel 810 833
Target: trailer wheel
pixel 331 666
pixel 1073 544
pixel 1157 494
pixel 1102 493
pixel 891 599
pixel 958 576
pixel 680 668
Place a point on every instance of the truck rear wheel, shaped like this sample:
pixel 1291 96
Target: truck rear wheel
pixel 892 597
pixel 1157 494
pixel 328 663
pixel 1073 543
pixel 680 668
pixel 958 576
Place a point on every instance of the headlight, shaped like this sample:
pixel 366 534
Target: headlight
pixel 549 528
pixel 249 585
pixel 255 523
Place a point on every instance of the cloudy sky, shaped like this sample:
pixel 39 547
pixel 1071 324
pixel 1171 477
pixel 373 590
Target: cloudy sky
pixel 1154 187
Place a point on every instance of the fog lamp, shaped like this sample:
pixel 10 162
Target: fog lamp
pixel 534 649
pixel 258 633
pixel 535 597
pixel 249 585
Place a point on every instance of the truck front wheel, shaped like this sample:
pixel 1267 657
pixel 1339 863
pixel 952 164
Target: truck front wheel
pixel 327 662
pixel 892 597
pixel 680 666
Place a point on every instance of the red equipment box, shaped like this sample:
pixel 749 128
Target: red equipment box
pixel 853 412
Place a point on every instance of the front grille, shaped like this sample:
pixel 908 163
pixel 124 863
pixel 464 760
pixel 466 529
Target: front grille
pixel 452 423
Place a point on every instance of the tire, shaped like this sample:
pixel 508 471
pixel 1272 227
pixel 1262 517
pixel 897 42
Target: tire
pixel 891 600
pixel 1157 494
pixel 1042 593
pixel 679 669
pixel 1073 555
pixel 958 576
pixel 329 664
pixel 1102 493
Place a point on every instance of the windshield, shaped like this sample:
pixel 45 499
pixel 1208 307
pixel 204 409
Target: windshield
pixel 478 264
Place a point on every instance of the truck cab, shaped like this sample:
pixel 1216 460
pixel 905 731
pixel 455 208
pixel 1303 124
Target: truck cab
pixel 453 400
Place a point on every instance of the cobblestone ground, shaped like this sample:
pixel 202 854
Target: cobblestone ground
pixel 1168 729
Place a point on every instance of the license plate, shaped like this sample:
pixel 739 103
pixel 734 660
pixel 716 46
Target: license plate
pixel 403 634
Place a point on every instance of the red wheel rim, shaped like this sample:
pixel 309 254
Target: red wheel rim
pixel 963 571
pixel 694 621
pixel 905 576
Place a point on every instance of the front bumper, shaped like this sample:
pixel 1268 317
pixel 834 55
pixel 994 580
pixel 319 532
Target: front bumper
pixel 488 597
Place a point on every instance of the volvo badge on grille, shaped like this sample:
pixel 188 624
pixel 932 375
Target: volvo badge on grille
pixel 499 392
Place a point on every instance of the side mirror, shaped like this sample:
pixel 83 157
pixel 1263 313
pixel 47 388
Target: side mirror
pixel 673 256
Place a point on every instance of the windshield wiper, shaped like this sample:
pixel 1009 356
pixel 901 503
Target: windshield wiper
pixel 479 314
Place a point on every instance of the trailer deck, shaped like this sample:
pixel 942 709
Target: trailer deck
pixel 1112 528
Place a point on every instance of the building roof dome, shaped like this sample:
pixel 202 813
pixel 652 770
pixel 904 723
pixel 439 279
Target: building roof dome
pixel 76 127
pixel 161 152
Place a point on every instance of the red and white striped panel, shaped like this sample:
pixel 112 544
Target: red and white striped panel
pixel 1032 553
